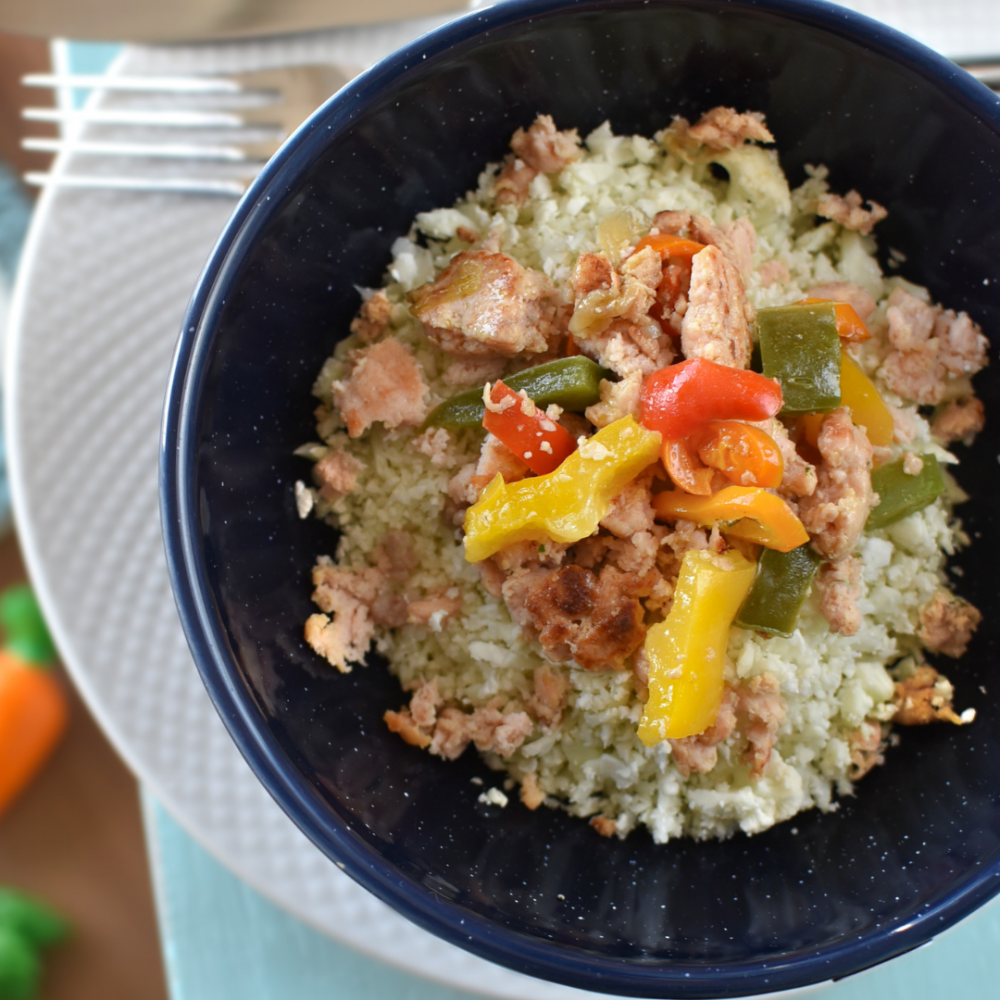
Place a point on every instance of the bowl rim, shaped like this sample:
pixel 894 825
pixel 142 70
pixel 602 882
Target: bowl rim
pixel 180 521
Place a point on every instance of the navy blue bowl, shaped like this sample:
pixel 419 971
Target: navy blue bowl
pixel 819 897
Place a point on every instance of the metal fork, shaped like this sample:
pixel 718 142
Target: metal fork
pixel 220 130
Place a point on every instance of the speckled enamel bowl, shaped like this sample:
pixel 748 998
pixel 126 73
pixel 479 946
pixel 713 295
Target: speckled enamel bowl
pixel 819 897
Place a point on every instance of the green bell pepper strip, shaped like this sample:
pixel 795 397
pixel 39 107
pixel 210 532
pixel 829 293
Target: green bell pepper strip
pixel 20 967
pixel 800 347
pixel 37 923
pixel 779 589
pixel 25 632
pixel 901 494
pixel 572 383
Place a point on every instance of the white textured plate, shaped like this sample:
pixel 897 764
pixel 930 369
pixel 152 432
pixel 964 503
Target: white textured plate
pixel 105 280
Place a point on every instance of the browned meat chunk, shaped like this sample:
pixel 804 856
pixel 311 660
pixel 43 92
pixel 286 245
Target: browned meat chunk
pixel 632 510
pixel 347 595
pixel 488 304
pixel 491 730
pixel 618 399
pixel 715 325
pixel 947 623
pixel 604 825
pixel 845 291
pixel 373 318
pixel 924 697
pixel 761 710
pixel 961 420
pixel 839 586
pixel 737 240
pixel 424 704
pixel 595 620
pixel 849 211
pixel 403 723
pixel 929 345
pixel 531 795
pixel 721 128
pixel 544 148
pixel 835 514
pixel 336 474
pixel 385 384
pixel 602 294
pixel 433 611
pixel 799 478
pixel 699 754
pixel 551 688
pixel 866 745
pixel 494 458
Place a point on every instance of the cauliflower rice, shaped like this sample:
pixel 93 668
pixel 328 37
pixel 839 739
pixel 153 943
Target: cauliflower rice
pixel 394 480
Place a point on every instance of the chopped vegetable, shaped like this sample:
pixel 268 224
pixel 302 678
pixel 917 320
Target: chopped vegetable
pixel 565 505
pixel 850 326
pixel 687 650
pixel 539 442
pixel 33 707
pixel 680 399
pixel 901 494
pixel 746 512
pixel 779 590
pixel 26 926
pixel 685 469
pixel 800 347
pixel 746 455
pixel 670 246
pixel 573 383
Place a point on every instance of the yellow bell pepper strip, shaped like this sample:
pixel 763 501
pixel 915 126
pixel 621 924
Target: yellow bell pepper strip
pixel 850 326
pixel 746 512
pixel 567 504
pixel 687 650
pixel 799 347
pixel 33 708
pixel 868 410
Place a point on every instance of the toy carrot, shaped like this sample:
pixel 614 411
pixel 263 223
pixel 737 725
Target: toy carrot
pixel 33 708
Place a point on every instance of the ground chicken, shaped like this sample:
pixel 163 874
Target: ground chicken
pixel 385 384
pixel 799 477
pixel 925 696
pixel 845 291
pixel 373 318
pixel 836 512
pixel 699 754
pixel 513 183
pixel 604 825
pixel 848 210
pixel 531 795
pixel 549 699
pixel 839 587
pixel 618 399
pixel 433 611
pixel 473 371
pixel 544 148
pixel 435 443
pixel 632 511
pixel 760 709
pixel 336 474
pixel 866 745
pixel 961 420
pixel 716 324
pixel 947 623
pixel 487 304
pixel 721 128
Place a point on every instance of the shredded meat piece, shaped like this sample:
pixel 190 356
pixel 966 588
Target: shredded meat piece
pixel 845 291
pixel 513 182
pixel 924 697
pixel 699 754
pixel 618 399
pixel 632 510
pixel 929 345
pixel 424 704
pixel 494 457
pixel 866 746
pixel 848 210
pixel 716 323
pixel 549 699
pixel 836 512
pixel 348 595
pixel 604 825
pixel 839 586
pixel 386 384
pixel 947 623
pixel 961 420
pixel 433 611
pixel 491 730
pixel 761 710
pixel 402 722
pixel 473 370
pixel 531 795
pixel 595 620
pixel 394 555
pixel 492 577
pixel 336 473
pixel 373 318
pixel 721 128
pixel 544 148
pixel 435 443
pixel 487 304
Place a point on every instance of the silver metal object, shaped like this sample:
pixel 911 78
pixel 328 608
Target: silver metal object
pixel 217 131
pixel 986 71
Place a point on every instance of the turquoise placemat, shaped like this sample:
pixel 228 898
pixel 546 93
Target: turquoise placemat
pixel 224 941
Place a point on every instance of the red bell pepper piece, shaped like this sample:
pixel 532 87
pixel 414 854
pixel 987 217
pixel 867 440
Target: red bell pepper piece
pixel 541 443
pixel 678 400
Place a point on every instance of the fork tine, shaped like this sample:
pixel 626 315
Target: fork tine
pixel 142 84
pixel 234 188
pixel 153 117
pixel 258 153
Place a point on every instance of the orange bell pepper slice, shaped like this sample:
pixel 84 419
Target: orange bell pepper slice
pixel 746 512
pixel 541 443
pixel 745 455
pixel 685 469
pixel 682 398
pixel 850 326
pixel 667 245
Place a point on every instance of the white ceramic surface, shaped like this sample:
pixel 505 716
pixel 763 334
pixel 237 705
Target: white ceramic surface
pixel 100 298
